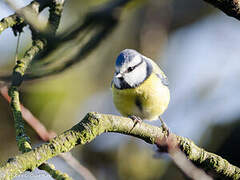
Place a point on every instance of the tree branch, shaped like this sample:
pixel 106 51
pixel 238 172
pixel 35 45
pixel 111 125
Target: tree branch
pixel 95 124
pixel 230 7
pixel 38 127
pixel 170 145
pixel 102 22
pixel 15 19
pixel 38 44
pixel 46 136
pixel 20 68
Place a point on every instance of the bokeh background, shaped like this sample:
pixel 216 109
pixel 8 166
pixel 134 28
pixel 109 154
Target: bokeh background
pixel 196 45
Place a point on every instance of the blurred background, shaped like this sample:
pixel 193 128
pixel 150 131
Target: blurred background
pixel 196 45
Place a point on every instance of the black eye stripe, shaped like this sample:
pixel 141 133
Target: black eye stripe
pixel 124 85
pixel 130 69
pixel 133 67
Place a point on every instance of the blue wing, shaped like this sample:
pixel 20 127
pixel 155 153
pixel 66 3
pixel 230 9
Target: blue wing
pixel 164 79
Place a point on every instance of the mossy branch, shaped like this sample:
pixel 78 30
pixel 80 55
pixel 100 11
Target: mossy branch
pixel 102 22
pixel 56 174
pixel 95 124
pixel 16 20
pixel 38 44
pixel 230 7
pixel 20 68
pixel 23 141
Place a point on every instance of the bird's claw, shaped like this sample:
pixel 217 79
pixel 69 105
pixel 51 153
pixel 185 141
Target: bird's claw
pixel 165 128
pixel 136 120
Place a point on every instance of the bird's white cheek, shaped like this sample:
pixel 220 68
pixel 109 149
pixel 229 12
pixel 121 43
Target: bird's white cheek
pixel 129 78
pixel 136 77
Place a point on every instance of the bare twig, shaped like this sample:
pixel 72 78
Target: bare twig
pixel 170 144
pixel 187 166
pixel 70 159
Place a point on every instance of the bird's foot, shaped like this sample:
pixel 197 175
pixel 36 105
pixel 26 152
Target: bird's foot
pixel 165 128
pixel 136 120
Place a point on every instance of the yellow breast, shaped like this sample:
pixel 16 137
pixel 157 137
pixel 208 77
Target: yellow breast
pixel 147 101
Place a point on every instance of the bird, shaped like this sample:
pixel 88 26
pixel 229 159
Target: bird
pixel 139 87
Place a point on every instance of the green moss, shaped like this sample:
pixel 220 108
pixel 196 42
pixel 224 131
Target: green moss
pixel 54 173
pixel 94 124
pixel 10 22
pixel 23 141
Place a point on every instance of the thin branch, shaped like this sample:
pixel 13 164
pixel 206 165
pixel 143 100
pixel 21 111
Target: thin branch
pixel 102 20
pixel 23 141
pixel 230 7
pixel 83 53
pixel 19 70
pixel 107 18
pixel 170 145
pixel 28 14
pixel 18 73
pixel 187 166
pixel 74 163
pixel 95 124
pixel 46 136
pixel 58 175
pixel 38 127
pixel 13 20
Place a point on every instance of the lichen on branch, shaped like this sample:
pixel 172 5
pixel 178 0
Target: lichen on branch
pixel 38 44
pixel 16 20
pixel 94 124
pixel 22 139
pixel 230 7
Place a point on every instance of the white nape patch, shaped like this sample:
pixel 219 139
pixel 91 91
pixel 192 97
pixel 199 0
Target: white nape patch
pixel 136 60
pixel 137 76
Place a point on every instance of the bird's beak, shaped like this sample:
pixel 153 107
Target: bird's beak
pixel 119 75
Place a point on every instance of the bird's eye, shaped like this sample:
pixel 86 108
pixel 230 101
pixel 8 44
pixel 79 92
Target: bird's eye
pixel 130 69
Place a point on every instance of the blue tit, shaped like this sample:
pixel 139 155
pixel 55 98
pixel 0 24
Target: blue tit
pixel 139 86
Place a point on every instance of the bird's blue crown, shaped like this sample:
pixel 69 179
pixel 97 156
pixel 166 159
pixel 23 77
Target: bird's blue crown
pixel 125 56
